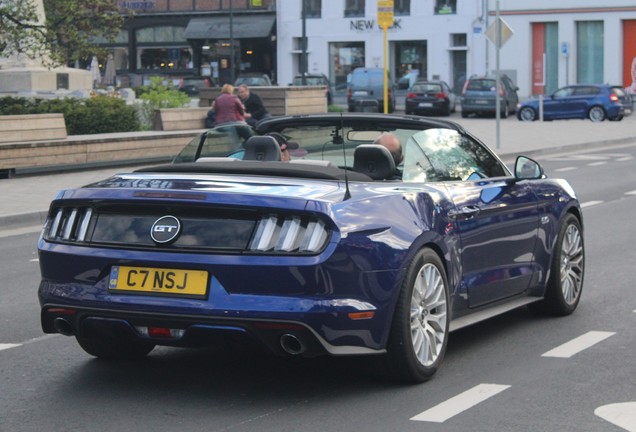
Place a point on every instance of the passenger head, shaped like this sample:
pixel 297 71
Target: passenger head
pixel 285 145
pixel 227 88
pixel 243 91
pixel 393 145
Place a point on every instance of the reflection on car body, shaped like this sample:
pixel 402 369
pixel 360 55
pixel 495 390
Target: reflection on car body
pixel 311 257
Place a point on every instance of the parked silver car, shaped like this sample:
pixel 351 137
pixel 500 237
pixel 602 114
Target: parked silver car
pixel 480 92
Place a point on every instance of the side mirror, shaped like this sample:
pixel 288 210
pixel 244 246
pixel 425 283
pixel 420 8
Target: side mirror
pixel 527 169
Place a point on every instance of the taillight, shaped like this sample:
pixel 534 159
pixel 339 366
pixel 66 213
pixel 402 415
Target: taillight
pixel 613 97
pixel 464 88
pixel 411 95
pixel 501 92
pixel 349 93
pixel 289 234
pixel 440 96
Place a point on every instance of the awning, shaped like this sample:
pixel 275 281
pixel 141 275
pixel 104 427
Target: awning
pixel 218 27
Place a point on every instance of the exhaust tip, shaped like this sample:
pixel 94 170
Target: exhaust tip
pixel 291 344
pixel 62 326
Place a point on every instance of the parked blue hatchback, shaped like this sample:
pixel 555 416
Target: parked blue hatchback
pixel 594 101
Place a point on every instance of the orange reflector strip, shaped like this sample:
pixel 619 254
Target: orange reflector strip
pixel 361 315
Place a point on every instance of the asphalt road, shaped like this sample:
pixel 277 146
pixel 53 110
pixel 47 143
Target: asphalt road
pixel 517 372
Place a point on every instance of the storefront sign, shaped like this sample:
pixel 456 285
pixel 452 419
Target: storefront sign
pixel 371 25
pixel 137 5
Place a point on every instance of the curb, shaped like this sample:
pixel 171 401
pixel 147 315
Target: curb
pixel 31 219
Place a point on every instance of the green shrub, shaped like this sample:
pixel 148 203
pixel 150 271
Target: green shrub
pixel 158 95
pixel 101 114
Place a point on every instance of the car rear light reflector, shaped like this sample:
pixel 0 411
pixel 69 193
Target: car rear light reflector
pixel 61 311
pixel 289 234
pixel 160 332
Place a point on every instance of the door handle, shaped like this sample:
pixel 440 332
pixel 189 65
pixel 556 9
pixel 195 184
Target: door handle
pixel 465 212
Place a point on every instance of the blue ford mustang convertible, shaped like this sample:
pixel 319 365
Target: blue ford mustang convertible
pixel 309 237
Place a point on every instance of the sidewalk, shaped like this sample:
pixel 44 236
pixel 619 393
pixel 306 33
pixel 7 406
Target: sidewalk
pixel 25 200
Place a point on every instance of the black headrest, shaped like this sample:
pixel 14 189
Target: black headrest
pixel 262 148
pixel 374 160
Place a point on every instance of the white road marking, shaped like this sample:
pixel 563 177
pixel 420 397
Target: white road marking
pixel 631 192
pixel 460 403
pixel 596 163
pixel 590 203
pixel 625 159
pixel 620 414
pixel 34 260
pixel 7 346
pixel 578 344
pixel 565 169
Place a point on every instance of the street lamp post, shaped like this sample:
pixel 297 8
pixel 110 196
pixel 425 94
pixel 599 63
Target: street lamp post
pixel 231 44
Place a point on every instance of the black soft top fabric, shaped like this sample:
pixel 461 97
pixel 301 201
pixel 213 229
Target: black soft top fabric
pixel 270 169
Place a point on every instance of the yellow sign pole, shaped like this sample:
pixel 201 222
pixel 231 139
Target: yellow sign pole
pixel 385 20
pixel 386 74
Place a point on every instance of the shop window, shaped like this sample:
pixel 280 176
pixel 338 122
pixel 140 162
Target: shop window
pixel 312 8
pixel 354 8
pixel 161 34
pixel 402 7
pixel 445 7
pixel 345 57
pixel 165 58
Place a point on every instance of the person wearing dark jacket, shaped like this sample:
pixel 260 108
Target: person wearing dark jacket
pixel 254 109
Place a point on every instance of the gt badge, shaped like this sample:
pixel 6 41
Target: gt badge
pixel 165 230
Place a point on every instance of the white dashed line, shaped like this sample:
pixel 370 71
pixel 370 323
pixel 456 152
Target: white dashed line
pixel 597 163
pixel 620 414
pixel 631 192
pixel 625 159
pixel 7 346
pixel 460 403
pixel 591 203
pixel 565 169
pixel 579 344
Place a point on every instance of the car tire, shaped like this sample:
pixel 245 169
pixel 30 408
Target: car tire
pixel 504 112
pixel 464 114
pixel 419 331
pixel 565 284
pixel 527 114
pixel 596 114
pixel 114 348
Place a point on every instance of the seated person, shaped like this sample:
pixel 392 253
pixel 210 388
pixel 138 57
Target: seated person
pixel 393 145
pixel 254 109
pixel 285 145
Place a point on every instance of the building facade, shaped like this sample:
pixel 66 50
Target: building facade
pixel 175 38
pixel 546 44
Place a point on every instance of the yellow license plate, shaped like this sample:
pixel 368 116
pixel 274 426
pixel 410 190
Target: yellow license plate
pixel 159 280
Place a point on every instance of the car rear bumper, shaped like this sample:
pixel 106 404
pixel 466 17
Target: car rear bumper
pixel 321 324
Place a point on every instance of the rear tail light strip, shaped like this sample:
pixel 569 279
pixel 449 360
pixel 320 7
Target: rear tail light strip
pixel 289 234
pixel 69 224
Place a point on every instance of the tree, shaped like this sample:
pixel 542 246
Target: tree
pixel 69 32
pixel 20 29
